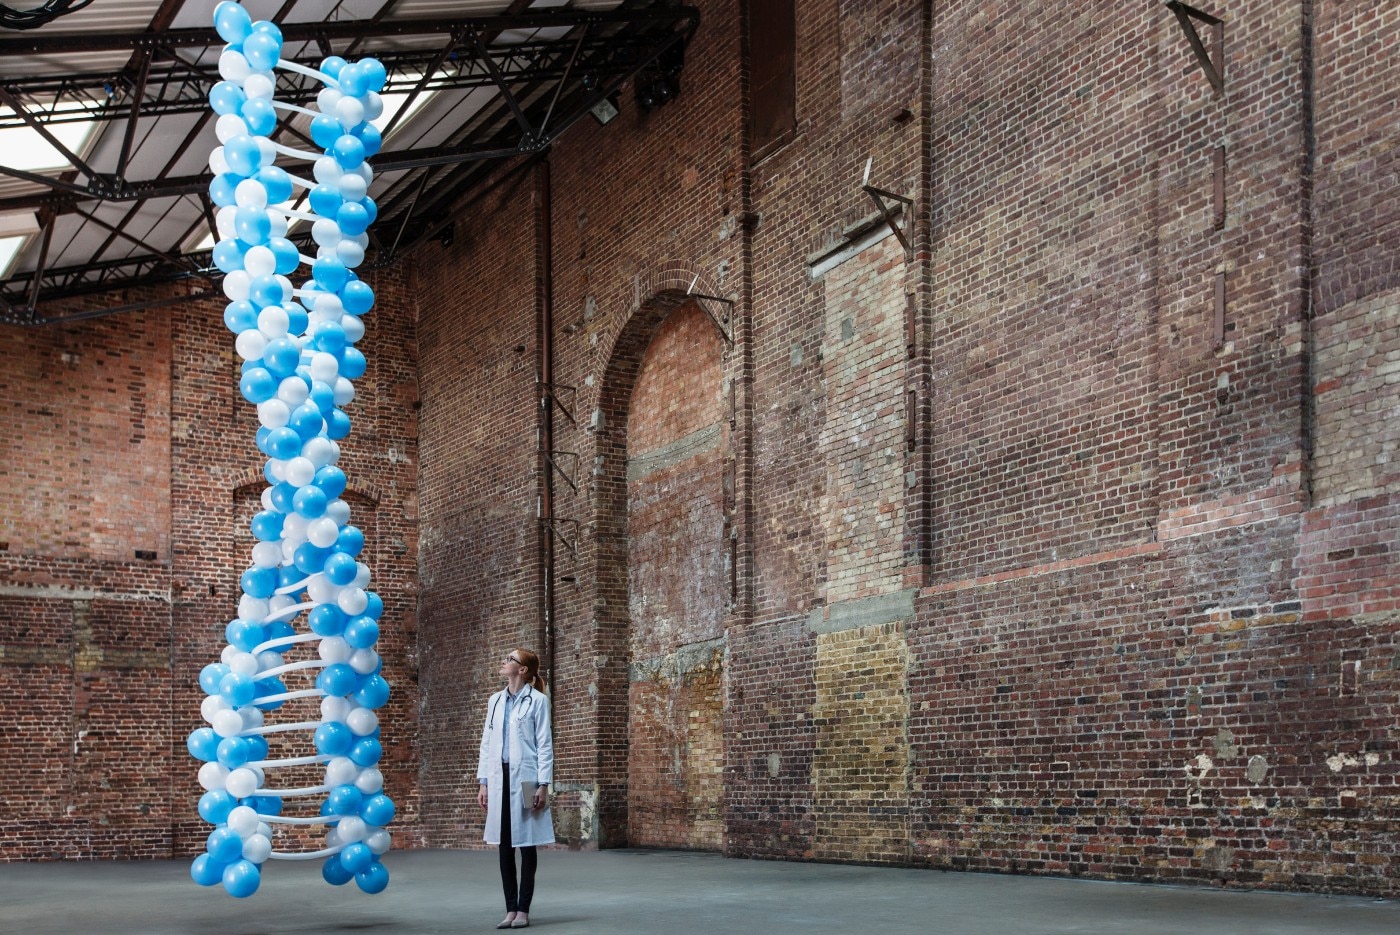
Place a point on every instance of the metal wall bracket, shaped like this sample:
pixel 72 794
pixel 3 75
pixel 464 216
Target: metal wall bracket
pixel 554 523
pixel 724 321
pixel 553 392
pixel 1212 62
pixel 570 476
pixel 882 201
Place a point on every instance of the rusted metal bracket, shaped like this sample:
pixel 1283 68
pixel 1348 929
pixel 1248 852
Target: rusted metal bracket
pixel 880 196
pixel 552 392
pixel 570 477
pixel 724 320
pixel 554 523
pixel 1213 62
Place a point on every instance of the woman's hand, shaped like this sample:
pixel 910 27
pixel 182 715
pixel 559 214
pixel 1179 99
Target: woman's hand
pixel 481 794
pixel 541 797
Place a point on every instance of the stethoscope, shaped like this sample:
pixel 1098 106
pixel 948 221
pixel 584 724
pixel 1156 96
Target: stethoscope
pixel 491 715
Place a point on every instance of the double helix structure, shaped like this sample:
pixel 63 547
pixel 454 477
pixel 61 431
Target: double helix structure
pixel 299 358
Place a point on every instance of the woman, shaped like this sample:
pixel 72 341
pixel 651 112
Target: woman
pixel 514 773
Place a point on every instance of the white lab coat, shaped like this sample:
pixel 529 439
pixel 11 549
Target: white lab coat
pixel 531 758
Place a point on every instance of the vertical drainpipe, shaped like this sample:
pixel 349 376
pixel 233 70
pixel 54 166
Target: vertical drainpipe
pixel 544 341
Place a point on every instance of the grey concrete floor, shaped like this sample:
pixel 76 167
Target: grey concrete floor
pixel 627 892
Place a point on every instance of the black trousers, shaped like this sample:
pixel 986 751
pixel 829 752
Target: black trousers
pixel 517 900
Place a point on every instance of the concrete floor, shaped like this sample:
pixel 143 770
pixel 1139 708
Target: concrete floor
pixel 627 892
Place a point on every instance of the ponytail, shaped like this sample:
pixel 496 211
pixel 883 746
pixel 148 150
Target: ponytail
pixel 531 662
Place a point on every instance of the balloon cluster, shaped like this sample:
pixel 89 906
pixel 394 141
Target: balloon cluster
pixel 299 359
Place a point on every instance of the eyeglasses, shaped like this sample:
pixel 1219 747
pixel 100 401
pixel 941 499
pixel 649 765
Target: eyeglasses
pixel 514 660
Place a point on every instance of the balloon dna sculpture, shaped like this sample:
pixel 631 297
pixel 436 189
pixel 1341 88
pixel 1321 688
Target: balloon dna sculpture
pixel 298 352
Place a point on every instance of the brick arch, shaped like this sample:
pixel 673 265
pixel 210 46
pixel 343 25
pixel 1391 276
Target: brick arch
pixel 610 533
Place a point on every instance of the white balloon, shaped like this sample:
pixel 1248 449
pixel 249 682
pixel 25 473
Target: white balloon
pixel 344 391
pixel 241 783
pixel 339 511
pixel 362 721
pixel 361 239
pixel 321 451
pixel 252 717
pixel 335 708
pixel 320 590
pixel 354 328
pixel 252 608
pixel 341 770
pixel 322 532
pixel 325 367
pixel 374 106
pixel 352 601
pixel 250 193
pixel 266 498
pixel 349 253
pixel 333 838
pixel 364 661
pixel 237 286
pixel 273 320
pixel 293 391
pixel 257 848
pixel 258 261
pixel 212 776
pixel 259 84
pixel 365 172
pixel 210 707
pixel 327 170
pixel 326 100
pixel 300 472
pixel 243 821
pixel 294 526
pixel 245 663
pixel 370 781
pixel 326 232
pixel 351 828
pixel 228 126
pixel 265 830
pixel 349 111
pixel 285 283
pixel 250 344
pixel 269 152
pixel 227 723
pixel 233 66
pixel 378 841
pixel 334 649
pixel 361 575
pixel 328 303
pixel 267 555
pixel 223 222
pixel 269 659
pixel 280 602
pixel 274 414
pixel 352 187
pixel 226 656
pixel 218 163
pixel 279 224
pixel 289 552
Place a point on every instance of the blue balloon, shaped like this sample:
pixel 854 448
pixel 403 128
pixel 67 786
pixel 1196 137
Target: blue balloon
pixel 241 878
pixel 331 480
pixel 222 189
pixel 353 80
pixel 262 49
pixel 332 737
pixel 257 385
pixel 340 568
pixel 334 872
pixel 206 871
pixel 322 396
pixel 357 297
pixel 328 336
pixel 348 152
pixel 243 155
pixel 228 255
pixel 243 634
pixel 361 632
pixel 366 751
pixel 226 98
pixel 331 65
pixel 374 693
pixel 280 629
pixel 210 675
pixel 345 800
pixel 296 317
pixel 310 502
pixel 252 225
pixel 203 743
pixel 377 809
pixel 232 22
pixel 352 218
pixel 282 495
pixel 236 688
pixel 375 607
pixel 266 290
pixel 285 252
pixel 269 27
pixel 265 688
pixel 371 207
pixel 356 857
pixel 325 130
pixel 306 421
pixel 261 118
pixel 259 582
pixel 338 679
pixel 375 73
pixel 267 525
pixel 326 620
pixel 281 357
pixel 277 182
pixel 350 540
pixel 374 879
pixel 285 443
pixel 233 752
pixel 309 558
pixel 257 750
pixel 352 364
pixel 337 425
pixel 240 316
pixel 329 272
pixel 215 805
pixel 370 138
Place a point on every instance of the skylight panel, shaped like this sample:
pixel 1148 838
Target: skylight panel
pixel 10 248
pixel 26 150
